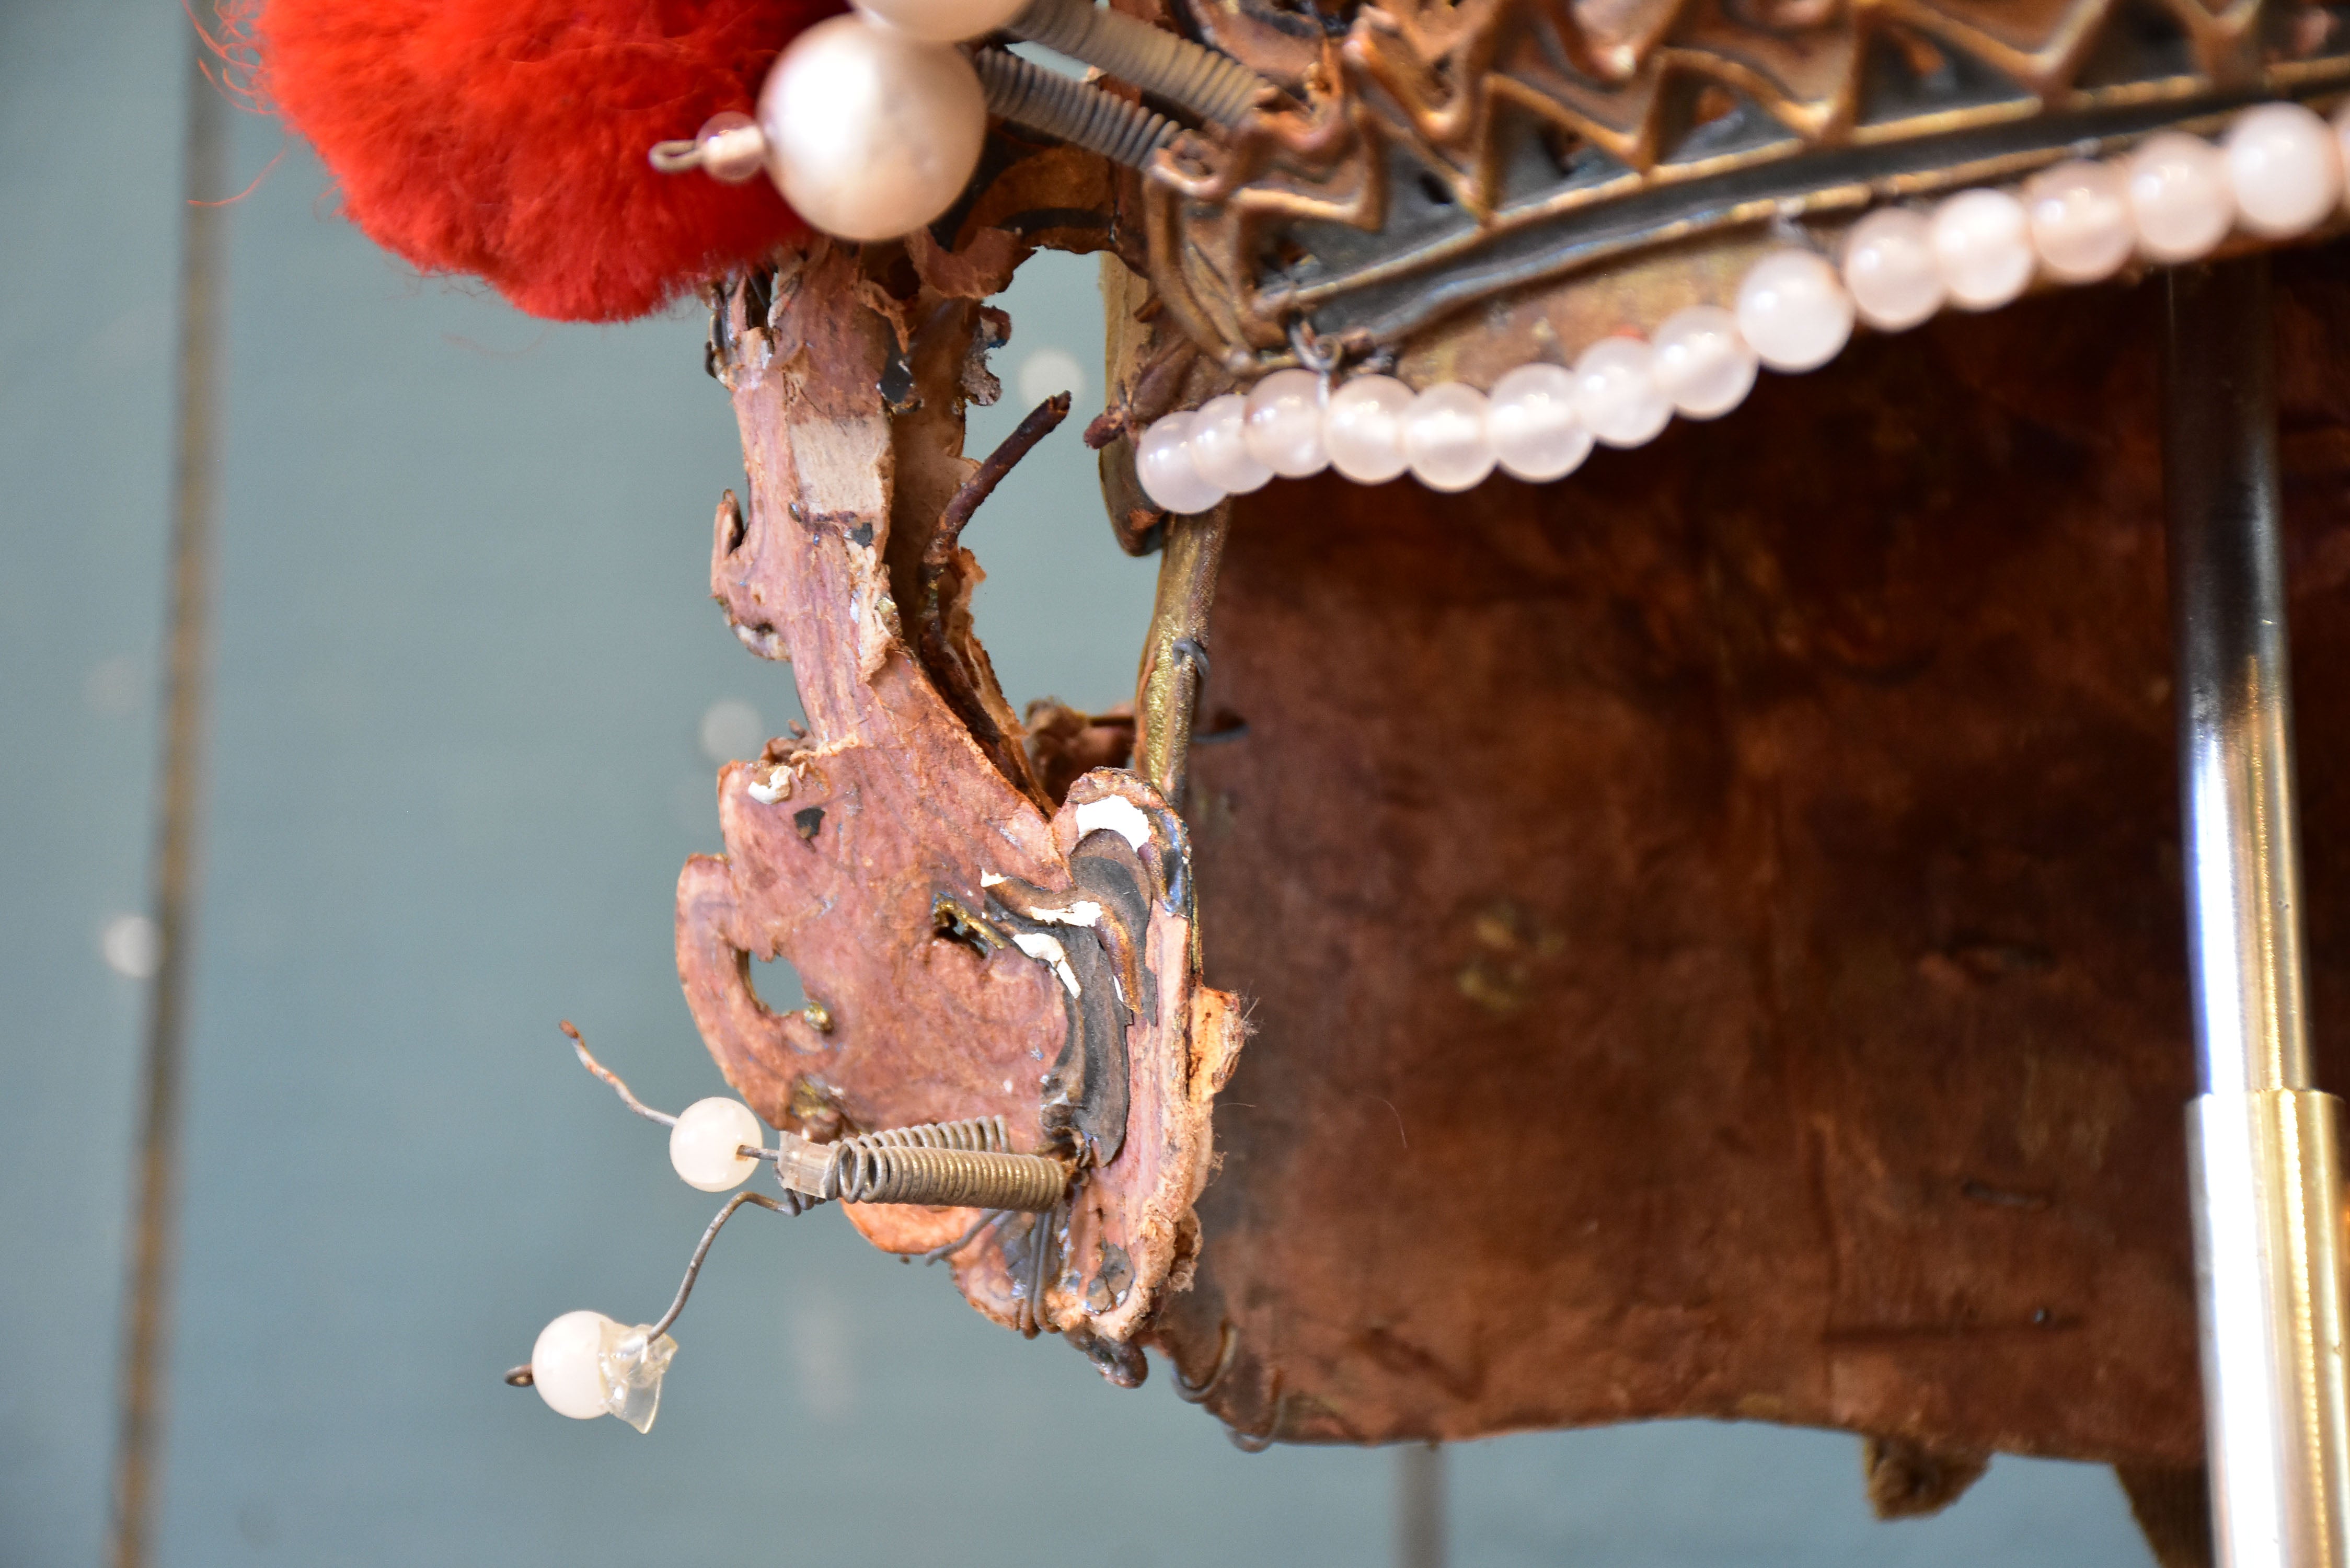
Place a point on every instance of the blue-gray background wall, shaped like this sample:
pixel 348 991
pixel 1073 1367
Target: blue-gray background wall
pixel 468 678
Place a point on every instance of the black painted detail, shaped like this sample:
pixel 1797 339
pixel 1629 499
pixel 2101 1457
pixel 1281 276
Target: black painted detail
pixel 897 387
pixel 1086 1091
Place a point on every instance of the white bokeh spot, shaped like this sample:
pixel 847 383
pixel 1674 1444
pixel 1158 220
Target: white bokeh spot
pixel 1049 370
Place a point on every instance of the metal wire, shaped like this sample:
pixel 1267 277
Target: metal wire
pixel 946 1250
pixel 1078 113
pixel 1227 1344
pixel 523 1378
pixel 610 1077
pixel 1212 86
pixel 693 1265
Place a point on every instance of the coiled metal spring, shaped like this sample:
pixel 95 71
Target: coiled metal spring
pixel 1079 113
pixel 1213 86
pixel 948 1165
pixel 977 1133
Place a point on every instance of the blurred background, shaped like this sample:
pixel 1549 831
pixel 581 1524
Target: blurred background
pixel 468 697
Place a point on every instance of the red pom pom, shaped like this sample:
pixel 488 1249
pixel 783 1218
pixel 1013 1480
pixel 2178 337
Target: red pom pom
pixel 507 138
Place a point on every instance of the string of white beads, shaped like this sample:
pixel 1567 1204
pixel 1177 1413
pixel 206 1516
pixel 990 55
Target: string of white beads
pixel 1444 438
pixel 1794 311
pixel 1982 248
pixel 1532 421
pixel 1703 362
pixel 2279 172
pixel 1616 395
pixel 1890 268
pixel 1362 428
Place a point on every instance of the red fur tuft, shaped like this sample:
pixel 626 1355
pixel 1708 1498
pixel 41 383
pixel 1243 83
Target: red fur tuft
pixel 507 138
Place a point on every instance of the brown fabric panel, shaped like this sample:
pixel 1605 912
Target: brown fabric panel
pixel 1713 924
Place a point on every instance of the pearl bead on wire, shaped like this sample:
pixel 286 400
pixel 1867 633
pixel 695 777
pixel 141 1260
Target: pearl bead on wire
pixel 1616 395
pixel 702 1145
pixel 1889 269
pixel 1444 437
pixel 2178 196
pixel 1702 361
pixel 2285 167
pixel 1219 447
pixel 1982 248
pixel 1362 428
pixel 1793 310
pixel 942 21
pixel 1162 461
pixel 870 133
pixel 2081 225
pixel 1530 417
pixel 563 1365
pixel 585 1365
pixel 1285 424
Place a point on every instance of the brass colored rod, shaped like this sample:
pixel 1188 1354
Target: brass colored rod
pixel 1175 658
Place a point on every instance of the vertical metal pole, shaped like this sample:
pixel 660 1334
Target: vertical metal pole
pixel 1174 652
pixel 2263 1164
pixel 1420 1506
pixel 145 1374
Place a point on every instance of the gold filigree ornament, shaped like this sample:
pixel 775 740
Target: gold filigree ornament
pixel 1449 184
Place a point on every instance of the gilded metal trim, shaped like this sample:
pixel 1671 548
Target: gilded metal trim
pixel 1440 155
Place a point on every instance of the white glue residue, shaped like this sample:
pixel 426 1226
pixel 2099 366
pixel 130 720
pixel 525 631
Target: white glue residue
pixel 1119 814
pixel 1038 945
pixel 1084 912
pixel 990 878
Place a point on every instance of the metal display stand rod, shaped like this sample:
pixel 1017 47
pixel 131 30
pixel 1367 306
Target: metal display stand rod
pixel 2263 1167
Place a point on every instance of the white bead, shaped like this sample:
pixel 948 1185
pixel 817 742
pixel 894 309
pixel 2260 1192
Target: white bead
pixel 703 1144
pixel 1362 428
pixel 2080 224
pixel 1888 265
pixel 565 1365
pixel 870 134
pixel 1285 424
pixel 1162 461
pixel 2285 167
pixel 942 21
pixel 1982 248
pixel 1530 417
pixel 1615 392
pixel 1794 311
pixel 1702 363
pixel 2179 197
pixel 1444 437
pixel 1218 448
